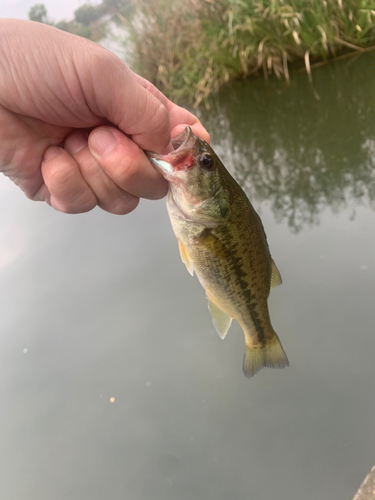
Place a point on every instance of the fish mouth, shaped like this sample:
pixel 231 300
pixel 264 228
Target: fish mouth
pixel 178 159
pixel 182 140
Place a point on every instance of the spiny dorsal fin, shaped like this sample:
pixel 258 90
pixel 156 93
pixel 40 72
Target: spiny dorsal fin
pixel 220 319
pixel 185 258
pixel 275 275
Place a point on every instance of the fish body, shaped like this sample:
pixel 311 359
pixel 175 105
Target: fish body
pixel 222 240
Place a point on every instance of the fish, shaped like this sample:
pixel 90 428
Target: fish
pixel 221 238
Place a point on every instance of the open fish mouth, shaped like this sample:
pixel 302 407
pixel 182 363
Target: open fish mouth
pixel 183 145
pixel 182 140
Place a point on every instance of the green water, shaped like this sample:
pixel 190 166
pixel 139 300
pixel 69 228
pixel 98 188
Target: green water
pixel 96 306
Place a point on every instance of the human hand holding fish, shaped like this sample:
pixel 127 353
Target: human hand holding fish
pixel 74 122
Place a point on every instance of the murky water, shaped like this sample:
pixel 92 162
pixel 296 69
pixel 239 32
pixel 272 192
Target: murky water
pixel 96 306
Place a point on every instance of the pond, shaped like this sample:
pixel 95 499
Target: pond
pixel 114 383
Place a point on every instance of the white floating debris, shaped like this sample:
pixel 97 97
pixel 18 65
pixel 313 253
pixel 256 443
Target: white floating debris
pixel 25 350
pixel 112 399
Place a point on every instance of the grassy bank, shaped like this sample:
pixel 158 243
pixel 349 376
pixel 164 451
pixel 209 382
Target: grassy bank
pixel 190 48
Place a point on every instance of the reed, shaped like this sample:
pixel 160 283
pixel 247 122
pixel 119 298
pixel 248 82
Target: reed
pixel 190 48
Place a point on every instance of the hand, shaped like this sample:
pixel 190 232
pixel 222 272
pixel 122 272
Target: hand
pixel 74 122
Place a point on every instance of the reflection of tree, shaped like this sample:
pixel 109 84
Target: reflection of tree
pixel 299 152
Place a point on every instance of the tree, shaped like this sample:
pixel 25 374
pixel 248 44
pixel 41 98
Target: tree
pixel 116 5
pixel 38 13
pixel 87 14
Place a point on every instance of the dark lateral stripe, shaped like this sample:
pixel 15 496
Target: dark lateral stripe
pixel 237 264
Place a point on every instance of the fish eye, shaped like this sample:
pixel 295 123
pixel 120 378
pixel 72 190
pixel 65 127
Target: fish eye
pixel 206 161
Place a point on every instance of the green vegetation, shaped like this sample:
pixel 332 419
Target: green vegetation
pixel 190 48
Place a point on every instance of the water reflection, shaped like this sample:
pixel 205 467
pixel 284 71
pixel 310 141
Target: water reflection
pixel 300 152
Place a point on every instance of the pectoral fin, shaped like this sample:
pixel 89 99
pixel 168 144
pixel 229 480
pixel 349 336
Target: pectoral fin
pixel 220 319
pixel 185 258
pixel 275 275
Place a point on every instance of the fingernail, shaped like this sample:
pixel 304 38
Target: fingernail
pixel 50 153
pixel 103 141
pixel 76 142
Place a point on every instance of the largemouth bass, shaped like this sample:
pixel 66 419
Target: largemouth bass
pixel 221 238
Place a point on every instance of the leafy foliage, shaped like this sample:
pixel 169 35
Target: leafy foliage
pixel 86 23
pixel 192 47
pixel 87 14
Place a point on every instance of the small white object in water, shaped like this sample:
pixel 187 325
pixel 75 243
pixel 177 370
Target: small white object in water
pixel 25 350
pixel 112 399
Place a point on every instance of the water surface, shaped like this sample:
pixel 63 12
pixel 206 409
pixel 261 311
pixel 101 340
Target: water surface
pixel 96 306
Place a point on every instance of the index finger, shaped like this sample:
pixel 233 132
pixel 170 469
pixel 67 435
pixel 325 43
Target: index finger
pixel 112 93
pixel 178 117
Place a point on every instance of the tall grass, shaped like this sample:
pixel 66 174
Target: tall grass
pixel 190 48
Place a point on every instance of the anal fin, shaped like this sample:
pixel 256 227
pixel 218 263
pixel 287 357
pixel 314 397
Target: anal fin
pixel 220 319
pixel 185 258
pixel 275 275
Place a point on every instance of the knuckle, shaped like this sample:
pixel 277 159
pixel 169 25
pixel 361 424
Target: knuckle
pixel 84 202
pixel 161 118
pixel 81 203
pixel 161 126
pixel 69 193
pixel 57 172
pixel 127 167
pixel 122 205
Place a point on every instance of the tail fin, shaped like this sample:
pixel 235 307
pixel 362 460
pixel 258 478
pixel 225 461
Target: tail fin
pixel 272 355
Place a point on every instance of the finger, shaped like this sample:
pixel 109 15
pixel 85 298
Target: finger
pixel 116 96
pixel 150 87
pixel 178 117
pixel 69 192
pixel 110 197
pixel 126 164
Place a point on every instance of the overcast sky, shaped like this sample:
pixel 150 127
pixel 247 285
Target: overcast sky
pixel 56 9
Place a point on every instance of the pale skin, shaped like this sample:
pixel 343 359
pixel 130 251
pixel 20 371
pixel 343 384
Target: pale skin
pixel 75 121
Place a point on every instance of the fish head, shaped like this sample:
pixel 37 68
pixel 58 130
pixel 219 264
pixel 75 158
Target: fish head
pixel 199 183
